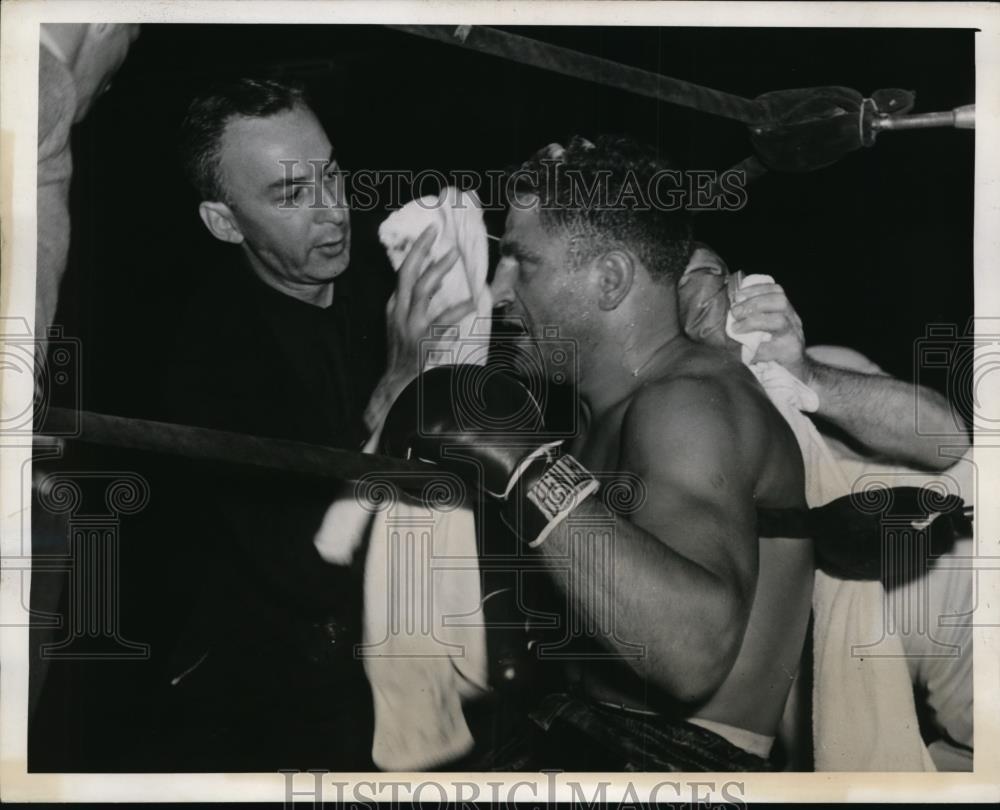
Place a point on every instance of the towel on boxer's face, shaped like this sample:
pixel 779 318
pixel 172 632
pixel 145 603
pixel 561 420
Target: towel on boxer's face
pixel 458 219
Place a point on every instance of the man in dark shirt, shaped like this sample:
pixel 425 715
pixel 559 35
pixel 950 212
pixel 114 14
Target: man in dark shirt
pixel 289 343
pixel 256 360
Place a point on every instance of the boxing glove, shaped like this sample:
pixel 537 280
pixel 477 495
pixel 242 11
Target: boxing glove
pixel 485 426
pixel 855 535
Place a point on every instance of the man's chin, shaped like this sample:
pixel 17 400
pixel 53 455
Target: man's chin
pixel 334 266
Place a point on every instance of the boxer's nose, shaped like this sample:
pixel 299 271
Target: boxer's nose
pixel 502 287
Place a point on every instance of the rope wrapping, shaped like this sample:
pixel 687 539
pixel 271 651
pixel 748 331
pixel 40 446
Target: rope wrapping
pixel 583 66
pixel 813 127
pixel 796 130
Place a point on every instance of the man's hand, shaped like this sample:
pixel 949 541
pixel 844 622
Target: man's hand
pixel 407 313
pixel 872 407
pixel 408 321
pixel 766 308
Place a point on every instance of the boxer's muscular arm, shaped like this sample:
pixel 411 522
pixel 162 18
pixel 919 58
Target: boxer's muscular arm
pixel 877 410
pixel 685 564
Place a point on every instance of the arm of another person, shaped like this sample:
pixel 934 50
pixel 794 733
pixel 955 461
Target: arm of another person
pixel 874 408
pixel 685 563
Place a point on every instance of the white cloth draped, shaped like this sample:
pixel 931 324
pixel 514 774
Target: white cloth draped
pixel 864 717
pixel 424 645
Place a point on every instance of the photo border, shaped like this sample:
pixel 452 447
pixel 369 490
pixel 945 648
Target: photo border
pixel 19 21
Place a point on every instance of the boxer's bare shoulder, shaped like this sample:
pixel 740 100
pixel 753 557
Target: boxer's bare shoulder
pixel 711 406
pixel 710 448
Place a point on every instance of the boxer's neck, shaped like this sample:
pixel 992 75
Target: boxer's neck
pixel 617 375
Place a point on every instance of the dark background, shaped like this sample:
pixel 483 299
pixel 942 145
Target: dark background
pixel 870 250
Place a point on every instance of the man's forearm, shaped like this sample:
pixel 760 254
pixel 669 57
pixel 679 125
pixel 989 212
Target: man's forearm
pixel 880 412
pixel 634 591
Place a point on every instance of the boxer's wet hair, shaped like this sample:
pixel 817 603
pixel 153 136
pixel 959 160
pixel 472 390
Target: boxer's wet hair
pixel 564 180
pixel 210 111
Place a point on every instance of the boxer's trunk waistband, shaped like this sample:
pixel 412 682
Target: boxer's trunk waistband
pixel 757 744
pixel 647 741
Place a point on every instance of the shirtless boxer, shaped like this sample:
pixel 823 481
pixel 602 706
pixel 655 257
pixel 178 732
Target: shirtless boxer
pixel 720 615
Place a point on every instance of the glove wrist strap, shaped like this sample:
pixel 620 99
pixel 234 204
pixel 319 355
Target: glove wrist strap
pixel 545 454
pixel 547 493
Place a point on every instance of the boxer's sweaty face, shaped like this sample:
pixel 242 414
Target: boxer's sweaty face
pixel 287 199
pixel 534 285
pixel 702 298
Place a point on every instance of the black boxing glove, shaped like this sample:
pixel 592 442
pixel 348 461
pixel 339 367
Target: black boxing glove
pixel 485 426
pixel 849 532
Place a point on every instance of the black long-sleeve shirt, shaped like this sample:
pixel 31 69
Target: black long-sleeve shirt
pixel 254 360
pixel 250 359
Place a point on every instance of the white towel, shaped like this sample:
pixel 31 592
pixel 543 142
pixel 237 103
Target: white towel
pixel 750 341
pixel 424 643
pixel 779 383
pixel 424 640
pixel 938 645
pixel 864 718
pixel 458 217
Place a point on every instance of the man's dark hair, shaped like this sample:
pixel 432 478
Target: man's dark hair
pixel 601 195
pixel 210 111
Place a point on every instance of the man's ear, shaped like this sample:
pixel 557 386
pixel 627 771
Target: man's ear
pixel 218 218
pixel 615 276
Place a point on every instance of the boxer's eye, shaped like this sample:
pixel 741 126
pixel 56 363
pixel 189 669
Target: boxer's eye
pixel 294 196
